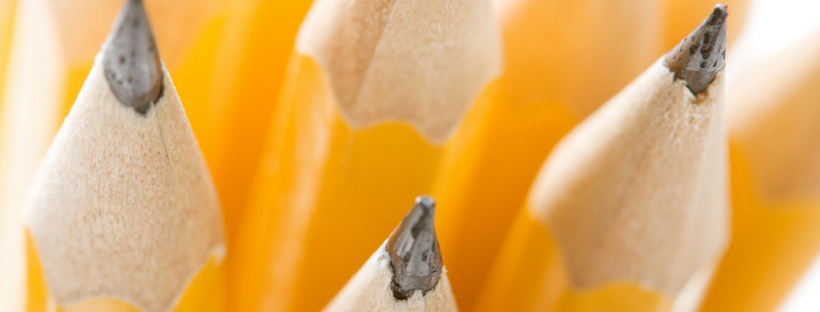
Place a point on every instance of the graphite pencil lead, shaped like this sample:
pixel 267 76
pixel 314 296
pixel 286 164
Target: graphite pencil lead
pixel 700 56
pixel 131 59
pixel 414 251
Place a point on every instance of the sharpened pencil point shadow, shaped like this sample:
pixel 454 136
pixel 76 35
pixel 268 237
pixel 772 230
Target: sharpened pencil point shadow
pixel 415 255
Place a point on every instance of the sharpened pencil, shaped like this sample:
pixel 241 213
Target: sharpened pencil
pixel 122 213
pixel 629 212
pixel 563 59
pixel 405 274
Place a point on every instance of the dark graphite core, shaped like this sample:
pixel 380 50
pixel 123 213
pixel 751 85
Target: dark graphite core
pixel 131 59
pixel 700 56
pixel 414 251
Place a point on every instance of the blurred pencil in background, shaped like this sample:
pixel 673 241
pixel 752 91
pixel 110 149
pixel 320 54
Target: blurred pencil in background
pixel 555 51
pixel 7 13
pixel 231 104
pixel 629 212
pixel 374 92
pixel 405 273
pixel 775 168
pixel 122 214
pixel 10 234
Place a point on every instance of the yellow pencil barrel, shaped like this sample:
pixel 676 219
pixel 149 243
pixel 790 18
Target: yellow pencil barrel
pixel 530 260
pixel 773 130
pixel 8 9
pixel 252 46
pixel 205 291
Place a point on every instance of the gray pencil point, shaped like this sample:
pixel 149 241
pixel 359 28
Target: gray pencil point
pixel 414 251
pixel 701 55
pixel 131 59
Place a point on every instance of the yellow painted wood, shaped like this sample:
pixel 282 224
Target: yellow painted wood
pixel 236 81
pixel 7 12
pixel 204 293
pixel 773 244
pixel 530 276
pixel 775 180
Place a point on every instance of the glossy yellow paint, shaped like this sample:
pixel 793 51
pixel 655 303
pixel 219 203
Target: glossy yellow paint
pixel 327 194
pixel 773 243
pixel 7 13
pixel 486 179
pixel 204 293
pixel 74 79
pixel 244 76
pixel 192 78
pixel 681 16
pixel 529 276
pixel 36 292
pixel 775 177
pixel 555 51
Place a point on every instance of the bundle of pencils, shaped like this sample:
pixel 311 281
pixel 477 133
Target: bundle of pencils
pixel 264 155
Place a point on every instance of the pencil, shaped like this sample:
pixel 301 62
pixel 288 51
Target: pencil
pixel 773 127
pixel 680 16
pixel 629 212
pixel 405 273
pixel 122 213
pixel 250 62
pixel 375 90
pixel 51 53
pixel 29 117
pixel 10 239
pixel 7 13
pixel 563 60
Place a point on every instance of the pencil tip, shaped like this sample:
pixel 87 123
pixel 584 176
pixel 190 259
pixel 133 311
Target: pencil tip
pixel 700 56
pixel 131 59
pixel 414 251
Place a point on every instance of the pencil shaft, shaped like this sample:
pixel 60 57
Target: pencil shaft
pixel 235 100
pixel 774 152
pixel 531 276
pixel 10 261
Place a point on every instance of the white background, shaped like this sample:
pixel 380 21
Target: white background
pixel 771 26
